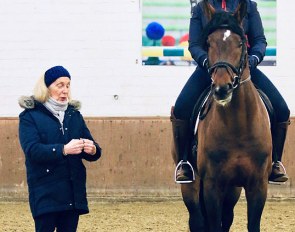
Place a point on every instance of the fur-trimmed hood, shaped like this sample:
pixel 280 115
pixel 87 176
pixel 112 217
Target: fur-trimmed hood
pixel 29 102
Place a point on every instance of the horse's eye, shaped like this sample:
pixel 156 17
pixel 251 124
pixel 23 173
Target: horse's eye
pixel 241 44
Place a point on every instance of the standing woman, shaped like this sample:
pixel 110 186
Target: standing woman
pixel 55 139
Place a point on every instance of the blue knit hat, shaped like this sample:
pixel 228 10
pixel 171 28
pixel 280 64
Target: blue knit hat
pixel 52 74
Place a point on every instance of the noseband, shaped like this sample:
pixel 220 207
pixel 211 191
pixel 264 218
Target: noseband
pixel 236 70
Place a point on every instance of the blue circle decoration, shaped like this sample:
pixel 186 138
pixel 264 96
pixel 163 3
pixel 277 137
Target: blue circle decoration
pixel 155 31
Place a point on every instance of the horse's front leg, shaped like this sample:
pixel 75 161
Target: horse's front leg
pixel 256 194
pixel 213 200
pixel 190 194
pixel 231 198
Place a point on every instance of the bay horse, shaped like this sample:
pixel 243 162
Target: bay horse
pixel 234 138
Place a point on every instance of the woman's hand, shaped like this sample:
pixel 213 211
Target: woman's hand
pixel 89 146
pixel 74 147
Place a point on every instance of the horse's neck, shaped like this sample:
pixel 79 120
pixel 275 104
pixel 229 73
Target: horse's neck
pixel 244 108
pixel 244 98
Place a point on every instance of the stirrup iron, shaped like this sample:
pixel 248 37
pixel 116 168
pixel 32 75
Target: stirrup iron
pixel 181 162
pixel 282 166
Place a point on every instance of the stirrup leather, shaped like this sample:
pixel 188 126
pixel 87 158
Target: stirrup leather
pixel 181 162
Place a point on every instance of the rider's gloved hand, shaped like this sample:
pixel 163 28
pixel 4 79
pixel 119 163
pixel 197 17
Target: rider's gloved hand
pixel 253 62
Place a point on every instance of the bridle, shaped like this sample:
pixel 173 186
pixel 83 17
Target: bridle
pixel 237 71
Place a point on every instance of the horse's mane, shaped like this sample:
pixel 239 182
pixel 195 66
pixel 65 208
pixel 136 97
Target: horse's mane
pixel 222 20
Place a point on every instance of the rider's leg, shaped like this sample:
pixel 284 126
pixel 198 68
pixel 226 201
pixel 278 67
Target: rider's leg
pixel 181 139
pixel 282 119
pixel 277 174
pixel 180 118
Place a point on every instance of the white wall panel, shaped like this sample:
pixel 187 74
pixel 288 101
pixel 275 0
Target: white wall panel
pixel 99 41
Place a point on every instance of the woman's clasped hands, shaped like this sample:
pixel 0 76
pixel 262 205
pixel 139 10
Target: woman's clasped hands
pixel 76 146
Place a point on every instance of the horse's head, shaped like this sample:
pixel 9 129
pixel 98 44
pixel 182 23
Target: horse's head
pixel 225 41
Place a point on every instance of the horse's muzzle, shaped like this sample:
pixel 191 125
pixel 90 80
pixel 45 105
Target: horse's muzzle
pixel 222 94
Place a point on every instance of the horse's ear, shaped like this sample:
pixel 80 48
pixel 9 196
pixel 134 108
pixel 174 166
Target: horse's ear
pixel 241 11
pixel 209 10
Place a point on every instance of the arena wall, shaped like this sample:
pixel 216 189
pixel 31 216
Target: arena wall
pixel 136 160
pixel 127 104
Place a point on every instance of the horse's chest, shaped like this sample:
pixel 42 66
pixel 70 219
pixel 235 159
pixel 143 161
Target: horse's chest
pixel 216 157
pixel 230 164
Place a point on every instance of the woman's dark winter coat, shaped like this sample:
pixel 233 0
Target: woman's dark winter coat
pixel 56 182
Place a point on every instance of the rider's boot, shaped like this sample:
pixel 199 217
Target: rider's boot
pixel 278 173
pixel 184 172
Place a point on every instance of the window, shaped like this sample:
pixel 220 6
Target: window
pixel 165 31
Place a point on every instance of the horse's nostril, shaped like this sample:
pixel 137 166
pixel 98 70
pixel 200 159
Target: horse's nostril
pixel 230 86
pixel 222 91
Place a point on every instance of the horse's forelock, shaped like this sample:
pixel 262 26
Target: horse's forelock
pixel 221 20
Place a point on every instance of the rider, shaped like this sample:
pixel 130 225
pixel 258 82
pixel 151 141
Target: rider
pixel 200 80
